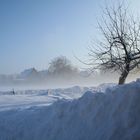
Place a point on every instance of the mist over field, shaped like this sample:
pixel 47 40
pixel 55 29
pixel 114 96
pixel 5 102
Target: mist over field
pixel 34 79
pixel 69 70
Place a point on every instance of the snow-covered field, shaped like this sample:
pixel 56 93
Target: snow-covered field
pixel 22 99
pixel 107 112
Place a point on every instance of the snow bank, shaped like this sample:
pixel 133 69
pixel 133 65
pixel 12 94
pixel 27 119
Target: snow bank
pixel 110 115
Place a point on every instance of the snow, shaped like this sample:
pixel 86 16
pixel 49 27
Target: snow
pixel 29 98
pixel 109 112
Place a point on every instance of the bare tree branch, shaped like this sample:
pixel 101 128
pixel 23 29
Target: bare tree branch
pixel 120 48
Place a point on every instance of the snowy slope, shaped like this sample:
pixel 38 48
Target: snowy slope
pixel 108 114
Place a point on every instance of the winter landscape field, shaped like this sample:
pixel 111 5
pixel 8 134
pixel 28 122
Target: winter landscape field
pixel 106 112
pixel 69 69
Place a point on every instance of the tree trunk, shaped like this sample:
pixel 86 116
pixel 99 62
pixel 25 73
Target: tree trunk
pixel 124 75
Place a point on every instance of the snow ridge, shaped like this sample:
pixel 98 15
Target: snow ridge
pixel 112 114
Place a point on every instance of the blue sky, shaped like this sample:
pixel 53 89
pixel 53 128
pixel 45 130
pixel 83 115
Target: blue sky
pixel 33 32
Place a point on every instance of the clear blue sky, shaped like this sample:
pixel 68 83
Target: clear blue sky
pixel 32 32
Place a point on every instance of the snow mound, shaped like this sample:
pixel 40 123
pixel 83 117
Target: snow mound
pixel 112 114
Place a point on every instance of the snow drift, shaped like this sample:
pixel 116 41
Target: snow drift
pixel 113 114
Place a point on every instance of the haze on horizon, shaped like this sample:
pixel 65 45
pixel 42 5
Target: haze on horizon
pixel 34 32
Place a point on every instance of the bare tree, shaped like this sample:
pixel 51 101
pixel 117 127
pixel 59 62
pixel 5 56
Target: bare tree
pixel 61 66
pixel 119 49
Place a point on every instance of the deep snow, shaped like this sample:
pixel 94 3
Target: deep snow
pixel 102 113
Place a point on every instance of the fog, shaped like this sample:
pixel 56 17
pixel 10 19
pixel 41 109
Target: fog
pixel 68 80
pixel 61 73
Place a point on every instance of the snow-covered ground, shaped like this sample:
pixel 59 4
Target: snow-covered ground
pixel 108 112
pixel 22 99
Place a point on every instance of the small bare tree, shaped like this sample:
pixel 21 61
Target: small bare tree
pixel 119 50
pixel 61 66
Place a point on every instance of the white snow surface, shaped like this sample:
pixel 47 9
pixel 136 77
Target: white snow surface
pixel 109 112
pixel 22 99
